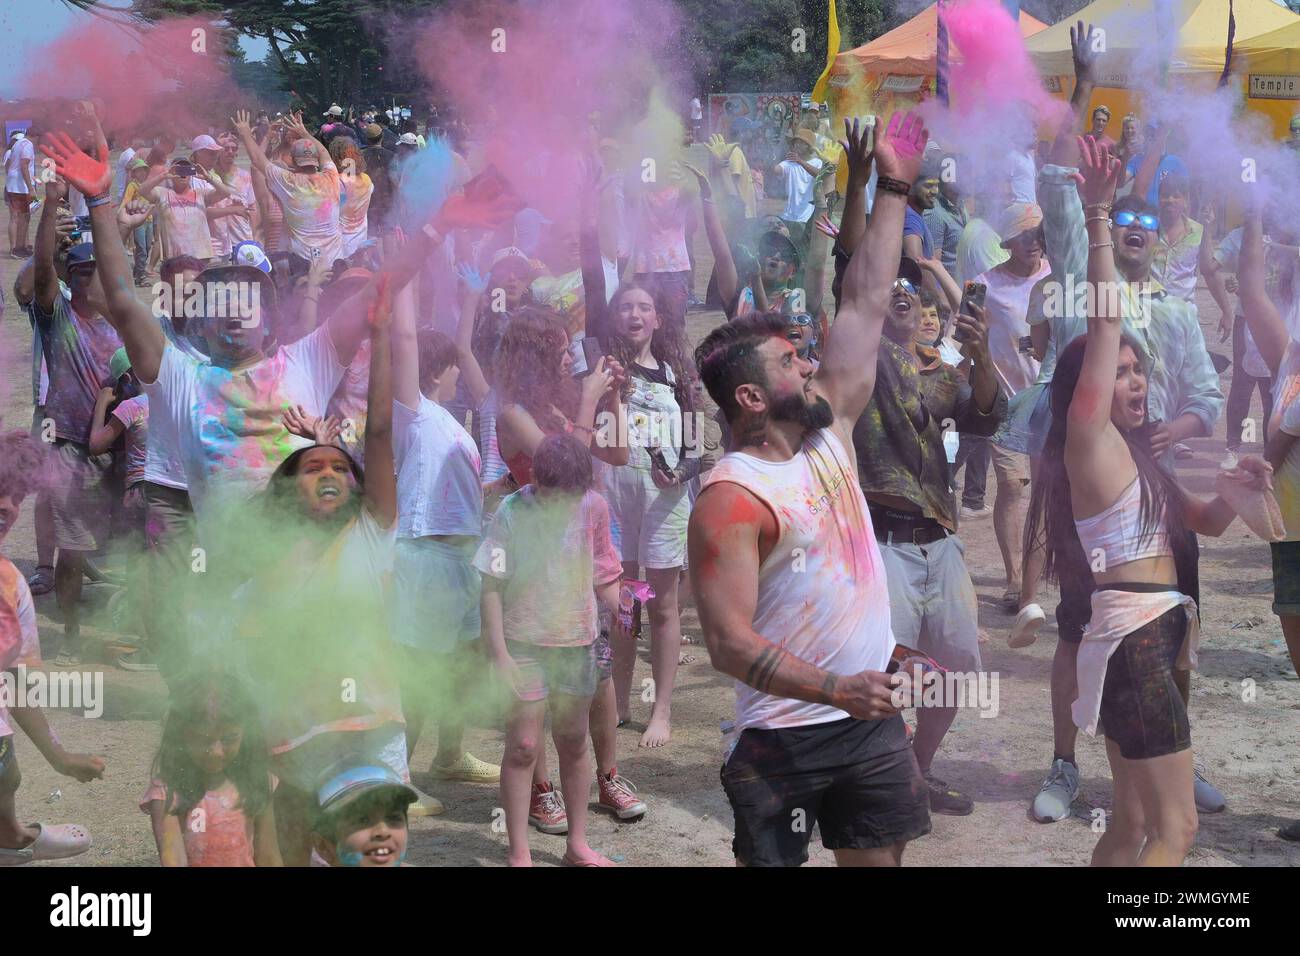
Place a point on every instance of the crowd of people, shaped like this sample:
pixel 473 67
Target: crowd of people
pixel 376 453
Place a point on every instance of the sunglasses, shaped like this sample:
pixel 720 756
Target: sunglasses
pixel 1128 217
pixel 904 285
pixel 802 319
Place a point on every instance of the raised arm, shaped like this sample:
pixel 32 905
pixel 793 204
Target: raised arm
pixel 256 155
pixel 853 221
pixel 1212 269
pixel 723 262
pixel 473 286
pixel 847 374
pixel 406 348
pixel 1089 413
pixel 1065 148
pixel 45 278
pixel 726 526
pixel 381 478
pixel 1266 326
pixel 135 325
pixel 1146 172
pixel 819 249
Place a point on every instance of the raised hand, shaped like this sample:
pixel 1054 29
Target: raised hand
pixel 132 215
pixel 899 151
pixel 857 153
pixel 92 176
pixel 56 190
pixel 1085 57
pixel 1099 171
pixel 720 148
pixel 474 283
pixel 706 191
pixel 825 226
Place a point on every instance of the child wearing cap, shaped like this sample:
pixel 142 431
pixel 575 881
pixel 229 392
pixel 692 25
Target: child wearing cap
pixel 361 816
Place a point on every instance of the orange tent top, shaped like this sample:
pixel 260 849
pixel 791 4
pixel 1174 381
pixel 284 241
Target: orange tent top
pixel 909 49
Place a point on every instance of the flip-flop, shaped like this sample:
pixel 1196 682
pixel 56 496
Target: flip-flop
pixel 566 860
pixel 58 842
pixel 42 579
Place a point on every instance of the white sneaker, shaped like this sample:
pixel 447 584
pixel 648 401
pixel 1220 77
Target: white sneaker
pixel 1229 460
pixel 1208 797
pixel 971 514
pixel 1024 630
pixel 1060 789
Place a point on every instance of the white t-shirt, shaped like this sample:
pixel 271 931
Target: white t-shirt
pixel 1023 173
pixel 21 152
pixel 697 111
pixel 1007 305
pixel 798 190
pixel 1286 419
pixel 833 609
pixel 119 181
pixel 438 489
pixel 227 421
pixel 230 231
pixel 311 210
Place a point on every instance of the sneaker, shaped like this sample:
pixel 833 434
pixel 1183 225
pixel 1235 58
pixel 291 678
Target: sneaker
pixel 1182 451
pixel 618 795
pixel 1060 789
pixel 424 805
pixel 469 769
pixel 546 809
pixel 67 659
pixel 1024 630
pixel 1208 797
pixel 970 514
pixel 139 660
pixel 1229 460
pixel 944 799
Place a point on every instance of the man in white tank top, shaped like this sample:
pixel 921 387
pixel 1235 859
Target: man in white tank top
pixel 790 584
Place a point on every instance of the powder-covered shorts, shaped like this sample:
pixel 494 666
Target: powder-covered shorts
pixel 437 588
pixel 553 670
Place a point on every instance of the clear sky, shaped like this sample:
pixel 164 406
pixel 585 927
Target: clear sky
pixel 28 25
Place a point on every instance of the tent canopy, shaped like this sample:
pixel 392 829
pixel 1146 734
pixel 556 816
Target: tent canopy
pixel 909 50
pixel 1131 36
pixel 1277 51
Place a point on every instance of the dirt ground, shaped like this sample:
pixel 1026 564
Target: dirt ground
pixel 1250 742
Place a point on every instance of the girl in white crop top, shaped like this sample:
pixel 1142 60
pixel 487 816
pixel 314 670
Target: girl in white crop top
pixel 1117 535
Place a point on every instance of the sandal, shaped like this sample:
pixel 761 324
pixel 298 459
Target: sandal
pixel 42 579
pixel 58 842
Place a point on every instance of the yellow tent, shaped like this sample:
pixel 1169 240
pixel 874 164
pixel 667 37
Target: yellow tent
pixel 1131 37
pixel 1270 63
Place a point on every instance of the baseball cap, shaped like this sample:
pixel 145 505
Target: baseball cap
pixel 303 153
pixel 334 110
pixel 354 777
pixel 512 252
pixel 137 164
pixel 407 139
pixel 83 253
pixel 909 270
pixel 772 241
pixel 203 142
pixel 119 364
pixel 249 253
pixel 374 131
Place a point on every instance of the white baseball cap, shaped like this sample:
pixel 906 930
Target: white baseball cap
pixel 250 254
pixel 204 142
pixel 334 110
pixel 408 139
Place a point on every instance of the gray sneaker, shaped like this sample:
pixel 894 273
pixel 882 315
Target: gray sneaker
pixel 1059 791
pixel 1208 797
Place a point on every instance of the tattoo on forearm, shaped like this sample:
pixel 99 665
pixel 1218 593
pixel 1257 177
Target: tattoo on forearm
pixel 764 668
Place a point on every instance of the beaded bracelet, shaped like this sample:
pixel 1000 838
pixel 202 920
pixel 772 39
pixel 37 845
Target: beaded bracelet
pixel 99 200
pixel 894 186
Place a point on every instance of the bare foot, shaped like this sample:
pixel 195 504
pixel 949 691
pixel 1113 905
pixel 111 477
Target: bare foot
pixel 657 733
pixel 585 856
pixel 24 838
pixel 525 860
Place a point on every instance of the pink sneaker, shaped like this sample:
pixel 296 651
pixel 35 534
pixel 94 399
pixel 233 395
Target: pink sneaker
pixel 546 809
pixel 618 795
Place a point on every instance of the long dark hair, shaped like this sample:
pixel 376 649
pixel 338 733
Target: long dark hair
pixel 1051 516
pixel 220 696
pixel 280 499
pixel 667 344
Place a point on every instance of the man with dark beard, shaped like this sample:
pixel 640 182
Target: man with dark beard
pixel 788 580
pixel 903 470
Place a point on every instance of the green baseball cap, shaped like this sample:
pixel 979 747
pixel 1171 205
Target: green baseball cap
pixel 119 364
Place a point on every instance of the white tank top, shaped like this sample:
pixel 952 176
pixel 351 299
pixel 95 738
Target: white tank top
pixel 1117 532
pixel 821 592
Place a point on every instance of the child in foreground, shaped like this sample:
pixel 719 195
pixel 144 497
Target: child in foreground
pixel 544 560
pixel 361 815
pixel 210 797
pixel 20 650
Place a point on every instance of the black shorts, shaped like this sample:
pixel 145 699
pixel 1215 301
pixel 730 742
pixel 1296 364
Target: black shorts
pixel 858 780
pixel 1142 709
pixel 1286 578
